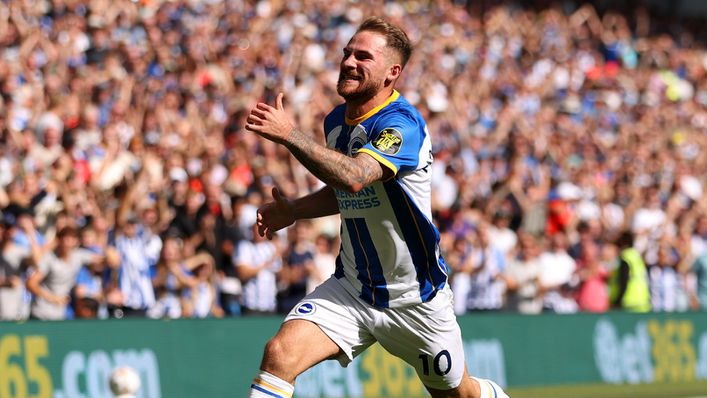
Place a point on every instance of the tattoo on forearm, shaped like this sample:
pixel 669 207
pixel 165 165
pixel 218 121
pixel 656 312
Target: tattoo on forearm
pixel 332 167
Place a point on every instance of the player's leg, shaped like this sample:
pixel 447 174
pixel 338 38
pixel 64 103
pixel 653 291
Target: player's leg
pixel 467 388
pixel 296 347
pixel 428 337
pixel 322 326
pixel 489 388
pixel 471 387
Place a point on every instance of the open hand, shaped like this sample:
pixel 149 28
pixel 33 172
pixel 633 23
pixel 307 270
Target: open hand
pixel 273 216
pixel 270 122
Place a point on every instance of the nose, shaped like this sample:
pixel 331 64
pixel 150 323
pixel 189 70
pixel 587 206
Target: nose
pixel 348 61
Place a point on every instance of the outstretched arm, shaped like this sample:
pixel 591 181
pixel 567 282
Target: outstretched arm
pixel 349 174
pixel 282 212
pixel 34 285
pixel 340 171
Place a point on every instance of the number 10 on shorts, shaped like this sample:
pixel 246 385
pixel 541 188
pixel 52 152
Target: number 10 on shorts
pixel 437 363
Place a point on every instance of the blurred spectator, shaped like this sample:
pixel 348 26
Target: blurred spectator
pixel 500 233
pixel 87 308
pixel 132 242
pixel 184 285
pixel 203 298
pixel 56 273
pixel 698 241
pixel 27 235
pixel 699 295
pixel 297 266
pixel 93 283
pixel 648 221
pixel 628 285
pixel 258 263
pixel 522 275
pixel 88 291
pixel 172 279
pixel 324 262
pixel 557 269
pixel 667 287
pixel 458 258
pixel 587 236
pixel 592 274
pixel 487 285
pixel 229 286
pixel 187 215
pixel 14 263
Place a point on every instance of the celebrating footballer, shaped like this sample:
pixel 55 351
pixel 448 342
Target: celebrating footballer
pixel 391 283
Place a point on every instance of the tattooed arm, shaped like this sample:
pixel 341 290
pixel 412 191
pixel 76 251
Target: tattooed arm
pixel 343 172
pixel 334 168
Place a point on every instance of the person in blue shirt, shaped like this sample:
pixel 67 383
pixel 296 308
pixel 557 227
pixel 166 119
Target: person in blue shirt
pixel 390 282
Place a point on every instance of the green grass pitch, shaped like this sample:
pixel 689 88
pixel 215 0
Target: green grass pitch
pixel 661 390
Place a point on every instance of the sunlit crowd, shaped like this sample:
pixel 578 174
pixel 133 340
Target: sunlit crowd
pixel 569 146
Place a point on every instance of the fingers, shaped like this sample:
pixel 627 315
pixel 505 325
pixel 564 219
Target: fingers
pixel 277 195
pixel 263 107
pixel 260 112
pixel 278 102
pixel 253 127
pixel 261 224
pixel 258 117
pixel 263 228
pixel 253 121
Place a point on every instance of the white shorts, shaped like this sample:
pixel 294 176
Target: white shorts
pixel 426 336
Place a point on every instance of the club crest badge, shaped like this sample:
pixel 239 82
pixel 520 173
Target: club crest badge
pixel 388 141
pixel 306 309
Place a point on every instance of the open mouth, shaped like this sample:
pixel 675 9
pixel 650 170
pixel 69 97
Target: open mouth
pixel 349 78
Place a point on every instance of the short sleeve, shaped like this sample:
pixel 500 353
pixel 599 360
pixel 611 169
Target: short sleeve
pixel 242 255
pixel 396 142
pixel 83 256
pixel 45 263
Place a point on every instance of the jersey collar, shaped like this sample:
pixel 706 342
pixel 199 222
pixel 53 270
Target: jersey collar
pixel 360 119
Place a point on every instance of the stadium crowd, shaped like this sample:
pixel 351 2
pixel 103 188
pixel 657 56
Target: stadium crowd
pixel 569 149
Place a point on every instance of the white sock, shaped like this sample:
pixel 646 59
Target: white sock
pixel 267 385
pixel 489 389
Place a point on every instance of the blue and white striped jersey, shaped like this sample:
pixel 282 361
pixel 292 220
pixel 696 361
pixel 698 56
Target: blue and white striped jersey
pixel 134 275
pixel 389 254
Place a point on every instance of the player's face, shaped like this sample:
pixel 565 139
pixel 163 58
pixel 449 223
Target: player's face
pixel 364 67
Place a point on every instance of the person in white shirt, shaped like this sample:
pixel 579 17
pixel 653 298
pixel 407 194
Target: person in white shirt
pixel 557 268
pixel 522 276
pixel 503 237
pixel 257 265
pixel 56 273
pixel 487 282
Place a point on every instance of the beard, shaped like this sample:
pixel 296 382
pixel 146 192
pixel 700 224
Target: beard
pixel 358 88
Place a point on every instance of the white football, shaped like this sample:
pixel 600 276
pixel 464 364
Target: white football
pixel 124 382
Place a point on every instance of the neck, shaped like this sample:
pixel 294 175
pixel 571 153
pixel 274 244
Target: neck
pixel 358 107
pixel 62 254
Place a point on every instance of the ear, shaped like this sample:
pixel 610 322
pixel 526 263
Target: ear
pixel 393 73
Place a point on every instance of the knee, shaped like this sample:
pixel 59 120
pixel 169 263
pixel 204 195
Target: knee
pixel 275 358
pixel 275 348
